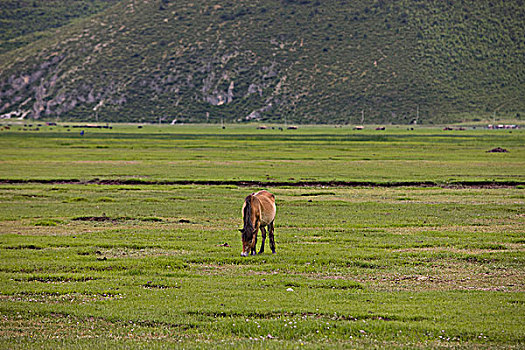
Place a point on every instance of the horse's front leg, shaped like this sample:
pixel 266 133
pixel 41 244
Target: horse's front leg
pixel 254 241
pixel 263 234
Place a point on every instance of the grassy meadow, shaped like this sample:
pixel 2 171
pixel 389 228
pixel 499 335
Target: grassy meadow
pixel 103 246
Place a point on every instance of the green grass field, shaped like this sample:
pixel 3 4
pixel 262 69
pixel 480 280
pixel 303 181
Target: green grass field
pixel 153 263
pixel 237 153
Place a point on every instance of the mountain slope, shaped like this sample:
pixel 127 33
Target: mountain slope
pixel 307 61
pixel 25 21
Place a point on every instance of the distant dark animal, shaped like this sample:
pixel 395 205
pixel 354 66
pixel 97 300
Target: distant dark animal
pixel 258 212
pixel 498 150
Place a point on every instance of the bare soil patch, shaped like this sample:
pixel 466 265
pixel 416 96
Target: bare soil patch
pixel 249 183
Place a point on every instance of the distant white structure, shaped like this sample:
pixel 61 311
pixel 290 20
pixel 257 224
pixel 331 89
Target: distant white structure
pixel 502 126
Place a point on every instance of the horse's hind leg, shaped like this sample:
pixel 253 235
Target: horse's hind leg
pixel 263 233
pixel 272 241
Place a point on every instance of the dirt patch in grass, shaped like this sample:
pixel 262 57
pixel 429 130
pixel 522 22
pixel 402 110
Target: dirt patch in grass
pixel 251 183
pixel 153 285
pixel 504 247
pixel 25 228
pixel 488 227
pixel 106 162
pixel 452 277
pixel 54 279
pixel 64 327
pixel 115 219
pixel 126 252
pixel 55 298
pixel 215 269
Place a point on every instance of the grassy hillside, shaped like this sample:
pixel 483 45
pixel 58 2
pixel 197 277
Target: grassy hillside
pixel 25 21
pixel 303 61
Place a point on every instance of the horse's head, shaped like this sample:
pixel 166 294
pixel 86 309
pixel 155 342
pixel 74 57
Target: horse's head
pixel 248 231
pixel 247 240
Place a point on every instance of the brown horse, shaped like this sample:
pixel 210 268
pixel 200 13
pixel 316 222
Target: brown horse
pixel 258 211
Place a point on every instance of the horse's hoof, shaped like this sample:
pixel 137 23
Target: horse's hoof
pixel 244 254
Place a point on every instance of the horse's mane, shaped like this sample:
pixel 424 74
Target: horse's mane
pixel 248 225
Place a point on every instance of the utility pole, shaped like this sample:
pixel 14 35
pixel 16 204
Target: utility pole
pixel 95 109
pixel 362 116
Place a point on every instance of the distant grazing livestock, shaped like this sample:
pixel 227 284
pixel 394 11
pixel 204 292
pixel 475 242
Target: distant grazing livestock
pixel 258 212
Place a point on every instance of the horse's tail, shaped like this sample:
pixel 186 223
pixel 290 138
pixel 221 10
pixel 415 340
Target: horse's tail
pixel 247 213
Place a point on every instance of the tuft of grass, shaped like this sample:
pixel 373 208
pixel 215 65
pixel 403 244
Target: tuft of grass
pixel 151 219
pixel 75 199
pixel 105 199
pixel 312 194
pixel 48 222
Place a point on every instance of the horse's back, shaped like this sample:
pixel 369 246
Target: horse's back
pixel 268 209
pixel 265 194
